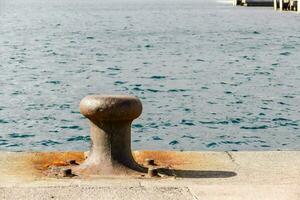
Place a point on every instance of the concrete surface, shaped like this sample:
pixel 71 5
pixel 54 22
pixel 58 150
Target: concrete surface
pixel 199 175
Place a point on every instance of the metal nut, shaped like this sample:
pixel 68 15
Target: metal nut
pixel 73 162
pixel 67 173
pixel 150 161
pixel 152 172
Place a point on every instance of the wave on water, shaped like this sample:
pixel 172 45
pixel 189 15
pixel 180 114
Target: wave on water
pixel 208 77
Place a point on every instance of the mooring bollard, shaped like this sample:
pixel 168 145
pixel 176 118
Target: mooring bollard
pixel 110 120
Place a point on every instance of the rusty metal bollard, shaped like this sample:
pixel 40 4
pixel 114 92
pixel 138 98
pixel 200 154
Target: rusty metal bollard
pixel 110 120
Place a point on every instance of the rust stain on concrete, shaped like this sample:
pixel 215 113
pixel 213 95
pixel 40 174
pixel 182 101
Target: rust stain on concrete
pixel 166 158
pixel 183 160
pixel 42 161
pixel 34 165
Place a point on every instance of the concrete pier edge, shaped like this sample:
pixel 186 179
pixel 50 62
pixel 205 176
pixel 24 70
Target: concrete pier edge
pixel 205 175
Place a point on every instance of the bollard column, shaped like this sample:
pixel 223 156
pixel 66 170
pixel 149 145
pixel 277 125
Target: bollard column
pixel 275 4
pixel 281 5
pixel 237 2
pixel 110 120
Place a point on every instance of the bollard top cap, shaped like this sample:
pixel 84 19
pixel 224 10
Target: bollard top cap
pixel 111 107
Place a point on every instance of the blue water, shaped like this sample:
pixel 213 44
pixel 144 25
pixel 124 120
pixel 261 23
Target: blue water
pixel 210 76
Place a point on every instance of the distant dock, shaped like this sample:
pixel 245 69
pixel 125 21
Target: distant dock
pixel 262 3
pixel 280 5
pixel 286 5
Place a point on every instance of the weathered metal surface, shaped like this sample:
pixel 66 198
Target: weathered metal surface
pixel 110 120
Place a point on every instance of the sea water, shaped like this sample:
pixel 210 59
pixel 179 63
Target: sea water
pixel 210 76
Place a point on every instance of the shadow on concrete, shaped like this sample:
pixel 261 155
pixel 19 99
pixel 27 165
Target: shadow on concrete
pixel 196 173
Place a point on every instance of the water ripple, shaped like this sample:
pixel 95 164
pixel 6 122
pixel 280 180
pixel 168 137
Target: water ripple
pixel 207 81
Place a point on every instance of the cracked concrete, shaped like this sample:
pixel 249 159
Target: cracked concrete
pixel 193 195
pixel 200 175
pixel 230 156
